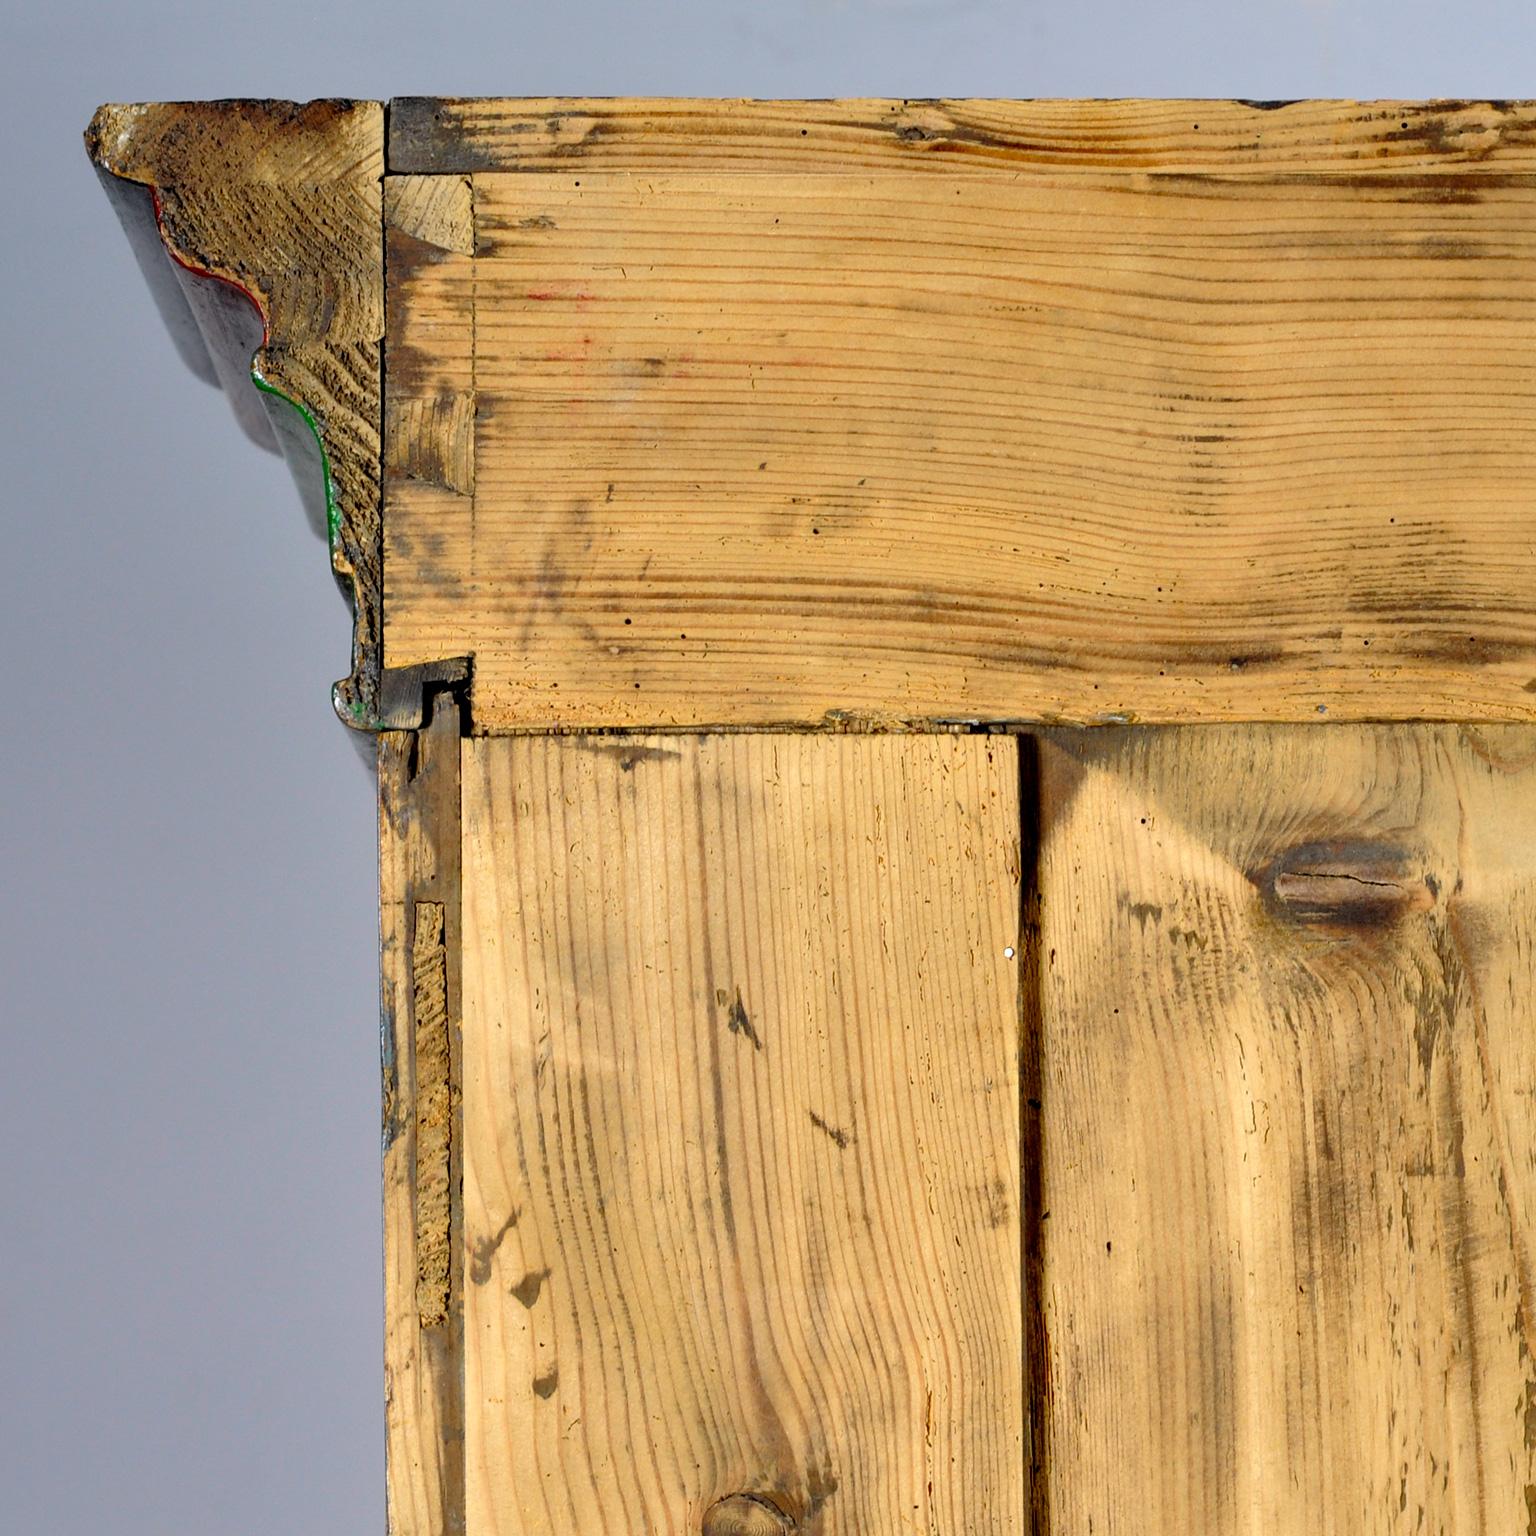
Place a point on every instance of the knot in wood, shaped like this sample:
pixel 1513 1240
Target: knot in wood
pixel 745 1514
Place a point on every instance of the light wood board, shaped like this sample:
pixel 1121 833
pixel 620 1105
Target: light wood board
pixel 700 447
pixel 1289 1131
pixel 741 1136
pixel 575 134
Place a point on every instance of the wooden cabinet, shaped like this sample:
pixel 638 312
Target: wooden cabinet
pixel 954 695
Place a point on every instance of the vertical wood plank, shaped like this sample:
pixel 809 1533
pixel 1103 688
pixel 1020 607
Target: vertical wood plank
pixel 419 846
pixel 741 1128
pixel 1289 1179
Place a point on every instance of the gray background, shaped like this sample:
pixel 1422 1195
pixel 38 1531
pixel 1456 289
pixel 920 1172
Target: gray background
pixel 190 1276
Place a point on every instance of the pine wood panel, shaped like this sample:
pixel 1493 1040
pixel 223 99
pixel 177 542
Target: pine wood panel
pixel 741 1125
pixel 1290 1143
pixel 428 134
pixel 1086 447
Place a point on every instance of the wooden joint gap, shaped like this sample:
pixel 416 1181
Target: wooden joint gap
pixel 1032 1215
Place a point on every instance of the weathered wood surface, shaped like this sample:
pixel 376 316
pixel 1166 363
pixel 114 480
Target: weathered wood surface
pixel 892 411
pixel 699 447
pixel 1124 1130
pixel 279 202
pixel 421 946
pixel 1285 1033
pixel 741 1136
pixel 429 402
pixel 428 134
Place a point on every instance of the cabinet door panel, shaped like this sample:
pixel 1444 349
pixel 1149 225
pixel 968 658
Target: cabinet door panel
pixel 1285 1037
pixel 741 1136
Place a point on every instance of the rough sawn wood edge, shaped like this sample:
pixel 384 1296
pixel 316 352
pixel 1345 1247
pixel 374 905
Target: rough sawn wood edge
pixel 270 213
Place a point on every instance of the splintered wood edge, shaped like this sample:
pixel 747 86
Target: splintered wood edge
pixel 279 203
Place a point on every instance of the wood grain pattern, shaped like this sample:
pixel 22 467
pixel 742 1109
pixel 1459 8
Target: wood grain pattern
pixel 852 1134
pixel 281 201
pixel 419 951
pixel 575 134
pixel 429 403
pixel 1290 1141
pixel 741 1126
pixel 1081 447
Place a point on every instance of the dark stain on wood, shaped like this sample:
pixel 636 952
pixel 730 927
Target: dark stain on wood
pixel 629 754
pixel 426 133
pixel 405 256
pixel 736 1019
pixel 1200 656
pixel 1459 648
pixel 994 1195
pixel 527 1289
pixel 1394 186
pixel 820 1485
pixel 840 1138
pixel 557 577
pixel 1505 748
pixel 1344 885
pixel 485 1249
pixel 1438 131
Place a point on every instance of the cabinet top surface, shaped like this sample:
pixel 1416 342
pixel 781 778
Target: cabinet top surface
pixel 688 413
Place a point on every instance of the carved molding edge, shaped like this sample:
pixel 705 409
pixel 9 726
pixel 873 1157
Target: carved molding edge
pixel 271 213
